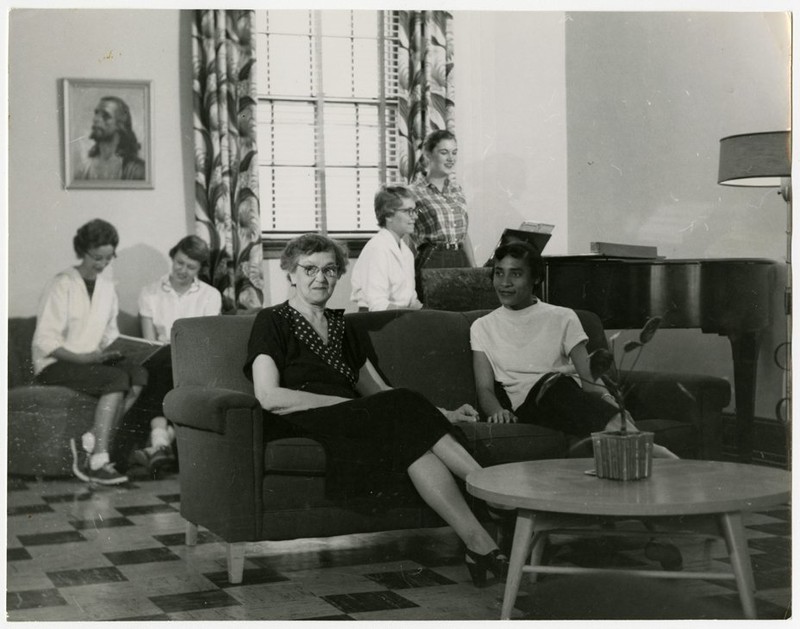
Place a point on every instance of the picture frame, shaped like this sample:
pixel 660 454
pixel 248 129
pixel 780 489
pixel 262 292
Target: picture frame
pixel 108 134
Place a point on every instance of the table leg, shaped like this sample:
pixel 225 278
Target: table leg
pixel 736 539
pixel 537 551
pixel 519 552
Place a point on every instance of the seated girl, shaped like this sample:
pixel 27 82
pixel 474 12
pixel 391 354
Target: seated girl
pixel 176 295
pixel 537 352
pixel 76 322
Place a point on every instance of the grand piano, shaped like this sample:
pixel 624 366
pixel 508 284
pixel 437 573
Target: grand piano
pixel 731 297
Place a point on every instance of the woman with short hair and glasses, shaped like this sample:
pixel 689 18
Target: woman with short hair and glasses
pixel 311 374
pixel 76 322
pixel 383 275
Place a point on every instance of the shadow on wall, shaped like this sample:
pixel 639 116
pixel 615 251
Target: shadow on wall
pixel 499 183
pixel 134 268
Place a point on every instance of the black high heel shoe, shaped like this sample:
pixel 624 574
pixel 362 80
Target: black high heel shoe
pixel 494 562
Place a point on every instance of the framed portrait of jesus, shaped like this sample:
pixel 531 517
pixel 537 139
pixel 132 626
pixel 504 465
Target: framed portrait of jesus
pixel 108 138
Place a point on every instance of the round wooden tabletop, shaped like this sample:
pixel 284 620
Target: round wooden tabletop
pixel 675 487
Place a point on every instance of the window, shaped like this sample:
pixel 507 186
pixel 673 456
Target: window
pixel 327 83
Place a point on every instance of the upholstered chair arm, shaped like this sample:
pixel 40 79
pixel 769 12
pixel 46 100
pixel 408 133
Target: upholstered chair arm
pixel 221 445
pixel 205 408
pixel 696 399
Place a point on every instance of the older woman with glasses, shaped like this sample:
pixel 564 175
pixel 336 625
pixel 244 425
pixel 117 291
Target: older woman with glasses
pixel 383 276
pixel 312 375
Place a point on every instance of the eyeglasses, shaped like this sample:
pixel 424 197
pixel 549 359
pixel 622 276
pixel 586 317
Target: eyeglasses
pixel 331 271
pixel 411 211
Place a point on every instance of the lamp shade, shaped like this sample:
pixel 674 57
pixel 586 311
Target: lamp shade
pixel 755 159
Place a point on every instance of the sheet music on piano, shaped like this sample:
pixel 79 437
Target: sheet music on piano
pixel 536 234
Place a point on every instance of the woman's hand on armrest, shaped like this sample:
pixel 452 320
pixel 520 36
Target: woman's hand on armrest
pixel 464 413
pixel 484 384
pixel 503 416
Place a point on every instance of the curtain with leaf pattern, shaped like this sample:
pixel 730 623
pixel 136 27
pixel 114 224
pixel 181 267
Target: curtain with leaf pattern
pixel 227 212
pixel 426 86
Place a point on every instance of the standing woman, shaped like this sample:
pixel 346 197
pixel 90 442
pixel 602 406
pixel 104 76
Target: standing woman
pixel 312 375
pixel 440 233
pixel 76 322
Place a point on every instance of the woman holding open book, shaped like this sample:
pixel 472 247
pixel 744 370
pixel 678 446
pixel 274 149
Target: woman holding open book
pixel 176 295
pixel 75 325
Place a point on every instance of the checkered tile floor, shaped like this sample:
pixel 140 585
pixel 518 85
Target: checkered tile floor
pixel 77 553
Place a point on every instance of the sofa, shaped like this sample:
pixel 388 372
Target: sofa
pixel 244 488
pixel 41 419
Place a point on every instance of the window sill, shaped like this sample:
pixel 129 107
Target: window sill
pixel 273 244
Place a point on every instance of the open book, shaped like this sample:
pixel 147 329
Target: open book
pixel 135 349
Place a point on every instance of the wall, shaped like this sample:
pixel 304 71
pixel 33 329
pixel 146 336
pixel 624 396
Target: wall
pixel 511 122
pixel 46 46
pixel 649 95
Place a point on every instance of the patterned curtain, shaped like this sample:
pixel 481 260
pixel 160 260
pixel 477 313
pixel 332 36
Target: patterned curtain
pixel 226 164
pixel 427 91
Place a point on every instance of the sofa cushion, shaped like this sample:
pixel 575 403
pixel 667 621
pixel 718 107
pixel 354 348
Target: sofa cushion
pixel 490 444
pixel 424 350
pixel 493 444
pixel 294 455
pixel 210 351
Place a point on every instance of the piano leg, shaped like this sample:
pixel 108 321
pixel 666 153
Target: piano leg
pixel 744 347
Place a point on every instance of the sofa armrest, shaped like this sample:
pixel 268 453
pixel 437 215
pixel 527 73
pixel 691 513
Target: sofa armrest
pixel 205 408
pixel 220 439
pixel 42 398
pixel 690 398
pixel 679 397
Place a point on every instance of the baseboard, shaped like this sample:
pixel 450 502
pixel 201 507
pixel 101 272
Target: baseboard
pixel 770 441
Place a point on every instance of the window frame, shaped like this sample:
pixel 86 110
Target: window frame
pixel 274 241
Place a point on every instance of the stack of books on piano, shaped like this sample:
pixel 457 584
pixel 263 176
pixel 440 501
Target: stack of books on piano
pixel 620 250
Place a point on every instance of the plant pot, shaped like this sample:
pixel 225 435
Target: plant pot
pixel 623 455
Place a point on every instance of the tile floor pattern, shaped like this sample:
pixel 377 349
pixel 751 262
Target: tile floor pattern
pixel 77 553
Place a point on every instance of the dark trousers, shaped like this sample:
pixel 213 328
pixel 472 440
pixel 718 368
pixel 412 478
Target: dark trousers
pixel 431 257
pixel 134 430
pixel 564 406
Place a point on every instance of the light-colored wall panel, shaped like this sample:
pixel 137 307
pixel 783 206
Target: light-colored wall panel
pixel 46 46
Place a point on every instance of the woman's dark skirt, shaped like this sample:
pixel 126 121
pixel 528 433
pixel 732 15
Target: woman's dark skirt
pixel 369 442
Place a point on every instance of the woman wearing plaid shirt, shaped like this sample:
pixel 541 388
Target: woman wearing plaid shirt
pixel 440 234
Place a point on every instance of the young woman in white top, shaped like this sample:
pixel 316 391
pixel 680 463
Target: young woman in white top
pixel 537 352
pixel 176 295
pixel 383 275
pixel 76 322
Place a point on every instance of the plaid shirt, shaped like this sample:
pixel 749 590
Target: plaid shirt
pixel 442 217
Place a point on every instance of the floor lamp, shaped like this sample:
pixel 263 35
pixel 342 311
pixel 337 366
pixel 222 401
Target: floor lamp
pixel 764 160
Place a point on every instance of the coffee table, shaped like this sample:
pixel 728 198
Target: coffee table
pixel 541 490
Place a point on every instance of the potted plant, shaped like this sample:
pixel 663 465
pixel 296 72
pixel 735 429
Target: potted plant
pixel 622 454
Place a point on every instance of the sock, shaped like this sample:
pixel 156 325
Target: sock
pixel 87 442
pixel 98 460
pixel 159 437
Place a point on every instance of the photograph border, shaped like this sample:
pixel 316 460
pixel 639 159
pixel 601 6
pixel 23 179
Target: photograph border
pixel 141 113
